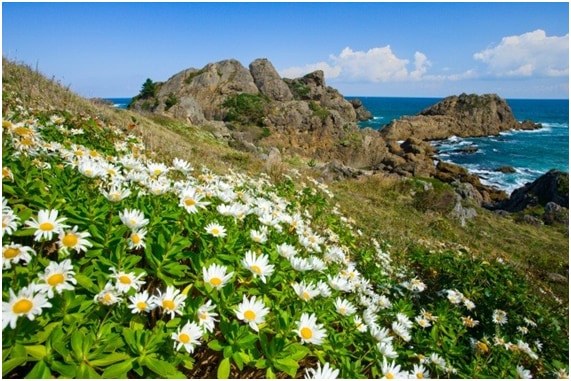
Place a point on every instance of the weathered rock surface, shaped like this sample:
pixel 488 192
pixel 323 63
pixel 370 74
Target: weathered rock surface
pixel 302 116
pixel 463 116
pixel 552 186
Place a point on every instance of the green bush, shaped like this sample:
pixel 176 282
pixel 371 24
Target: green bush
pixel 246 108
pixel 170 101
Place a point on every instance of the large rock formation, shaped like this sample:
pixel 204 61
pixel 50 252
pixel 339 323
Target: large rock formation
pixel 463 115
pixel 299 116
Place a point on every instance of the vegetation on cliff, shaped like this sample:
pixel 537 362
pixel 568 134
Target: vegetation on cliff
pixel 131 248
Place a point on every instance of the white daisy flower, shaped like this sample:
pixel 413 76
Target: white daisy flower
pixel 215 229
pixel 286 250
pixel 108 296
pixel 142 302
pixel 172 301
pixel 74 240
pixel 499 317
pixel 259 266
pixel 116 192
pixel 252 311
pixel 47 224
pixel 10 222
pixel 309 331
pixel 206 318
pixel 327 372
pixel 259 236
pixel 344 307
pixel 137 239
pixel 305 291
pixel 188 336
pixel 127 281
pixel 57 277
pixel 392 370
pixel 133 219
pixel 523 373
pixel 156 169
pixel 14 253
pixel 181 165
pixel 216 276
pixel 419 372
pixel 27 303
pixel 190 200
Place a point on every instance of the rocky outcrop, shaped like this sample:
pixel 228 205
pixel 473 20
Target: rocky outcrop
pixel 551 187
pixel 301 116
pixel 463 116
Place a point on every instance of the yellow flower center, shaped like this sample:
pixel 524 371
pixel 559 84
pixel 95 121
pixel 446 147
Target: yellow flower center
pixel 256 269
pixel 6 124
pixel 157 172
pixel 11 252
pixel 306 333
pixel 6 173
pixel 203 316
pixel 132 222
pixel 79 153
pixel 141 305
pixel 22 306
pixel 215 231
pixel 115 196
pixel 108 298
pixel 88 172
pixel 215 281
pixel 419 375
pixel 70 240
pixel 26 142
pixel 22 131
pixel 55 279
pixel 47 226
pixel 390 376
pixel 184 338
pixel 168 305
pixel 189 202
pixel 342 310
pixel 135 238
pixel 250 315
pixel 4 224
pixel 93 153
pixel 306 295
pixel 125 279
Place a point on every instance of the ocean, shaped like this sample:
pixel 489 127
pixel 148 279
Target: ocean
pixel 530 153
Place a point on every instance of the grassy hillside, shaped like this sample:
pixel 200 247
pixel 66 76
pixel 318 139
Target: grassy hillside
pixel 138 246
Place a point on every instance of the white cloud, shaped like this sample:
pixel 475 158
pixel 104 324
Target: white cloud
pixel 300 71
pixel 529 54
pixel 378 64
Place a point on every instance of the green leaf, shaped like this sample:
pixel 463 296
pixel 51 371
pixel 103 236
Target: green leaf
pixel 162 368
pixel 38 352
pixel 223 369
pixel 270 373
pixel 13 363
pixel 76 340
pixel 118 370
pixel 40 370
pixel 215 345
pixel 65 370
pixel 109 359
pixel 286 365
pixel 85 371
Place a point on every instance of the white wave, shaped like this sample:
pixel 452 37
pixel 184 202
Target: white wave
pixel 378 117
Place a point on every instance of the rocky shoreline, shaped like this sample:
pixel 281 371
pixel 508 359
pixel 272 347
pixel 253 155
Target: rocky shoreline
pixel 256 110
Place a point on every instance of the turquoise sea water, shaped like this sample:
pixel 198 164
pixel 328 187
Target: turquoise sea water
pixel 531 153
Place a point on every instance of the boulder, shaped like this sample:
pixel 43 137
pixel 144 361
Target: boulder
pixel 268 81
pixel 552 186
pixel 362 113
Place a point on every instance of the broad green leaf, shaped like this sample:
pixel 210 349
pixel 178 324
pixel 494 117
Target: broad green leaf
pixel 38 352
pixel 109 359
pixel 215 345
pixel 270 373
pixel 223 369
pixel 118 370
pixel 40 370
pixel 65 370
pixel 287 365
pixel 162 368
pixel 76 347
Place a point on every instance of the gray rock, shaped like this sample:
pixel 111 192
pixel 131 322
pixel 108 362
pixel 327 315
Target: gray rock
pixel 268 80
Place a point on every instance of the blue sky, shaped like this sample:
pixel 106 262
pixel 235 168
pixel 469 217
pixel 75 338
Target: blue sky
pixel 517 50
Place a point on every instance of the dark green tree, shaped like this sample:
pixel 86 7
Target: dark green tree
pixel 148 89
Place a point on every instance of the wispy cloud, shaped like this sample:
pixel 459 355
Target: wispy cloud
pixel 526 55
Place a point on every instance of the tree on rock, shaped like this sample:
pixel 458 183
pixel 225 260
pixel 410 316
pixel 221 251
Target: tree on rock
pixel 148 89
